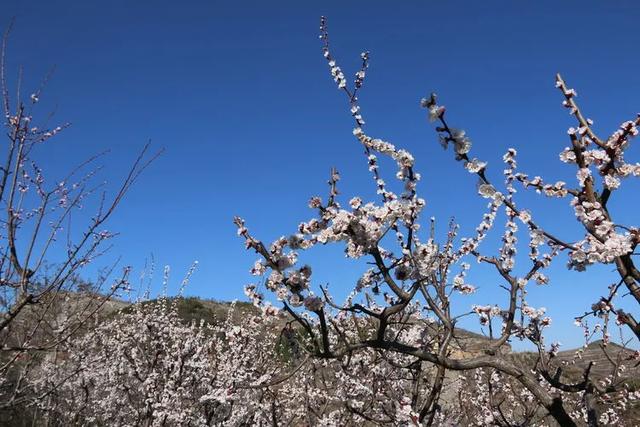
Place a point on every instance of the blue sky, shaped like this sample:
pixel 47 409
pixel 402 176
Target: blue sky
pixel 239 96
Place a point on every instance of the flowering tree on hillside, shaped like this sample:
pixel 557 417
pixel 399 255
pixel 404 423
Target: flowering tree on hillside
pixel 145 366
pixel 405 299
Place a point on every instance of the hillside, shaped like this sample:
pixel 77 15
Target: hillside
pixel 212 311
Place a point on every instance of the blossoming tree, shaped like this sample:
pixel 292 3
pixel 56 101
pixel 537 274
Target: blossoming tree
pixel 405 300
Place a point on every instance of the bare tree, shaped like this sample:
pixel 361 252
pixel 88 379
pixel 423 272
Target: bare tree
pixel 43 303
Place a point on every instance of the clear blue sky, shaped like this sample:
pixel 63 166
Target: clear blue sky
pixel 240 97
